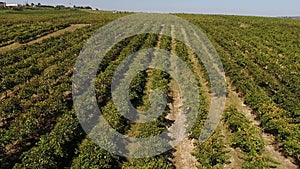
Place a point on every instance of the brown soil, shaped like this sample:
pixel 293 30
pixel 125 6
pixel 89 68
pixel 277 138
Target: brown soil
pixel 271 149
pixel 182 156
pixel 235 154
pixel 235 160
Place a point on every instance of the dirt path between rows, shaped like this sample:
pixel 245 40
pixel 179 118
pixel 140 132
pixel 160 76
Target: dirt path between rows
pixel 182 156
pixel 235 159
pixel 271 149
pixel 71 28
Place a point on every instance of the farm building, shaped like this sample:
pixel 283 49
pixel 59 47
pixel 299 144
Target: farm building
pixel 13 5
pixel 2 4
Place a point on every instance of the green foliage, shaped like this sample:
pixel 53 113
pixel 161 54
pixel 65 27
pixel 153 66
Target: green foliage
pixel 248 138
pixel 258 162
pixel 160 161
pixel 55 148
pixel 90 155
pixel 212 154
pixel 39 130
pixel 262 68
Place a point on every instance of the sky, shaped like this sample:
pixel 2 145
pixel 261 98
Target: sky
pixel 232 7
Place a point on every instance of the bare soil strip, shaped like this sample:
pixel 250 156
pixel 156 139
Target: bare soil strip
pixel 271 149
pixel 182 156
pixel 235 160
pixel 57 33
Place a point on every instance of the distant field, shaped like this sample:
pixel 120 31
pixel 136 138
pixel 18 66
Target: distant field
pixel 38 124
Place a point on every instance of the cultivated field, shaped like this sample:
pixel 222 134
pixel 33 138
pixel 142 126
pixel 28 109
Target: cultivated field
pixel 260 127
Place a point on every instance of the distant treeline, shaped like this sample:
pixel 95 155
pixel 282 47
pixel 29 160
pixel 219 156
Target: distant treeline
pixel 39 5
